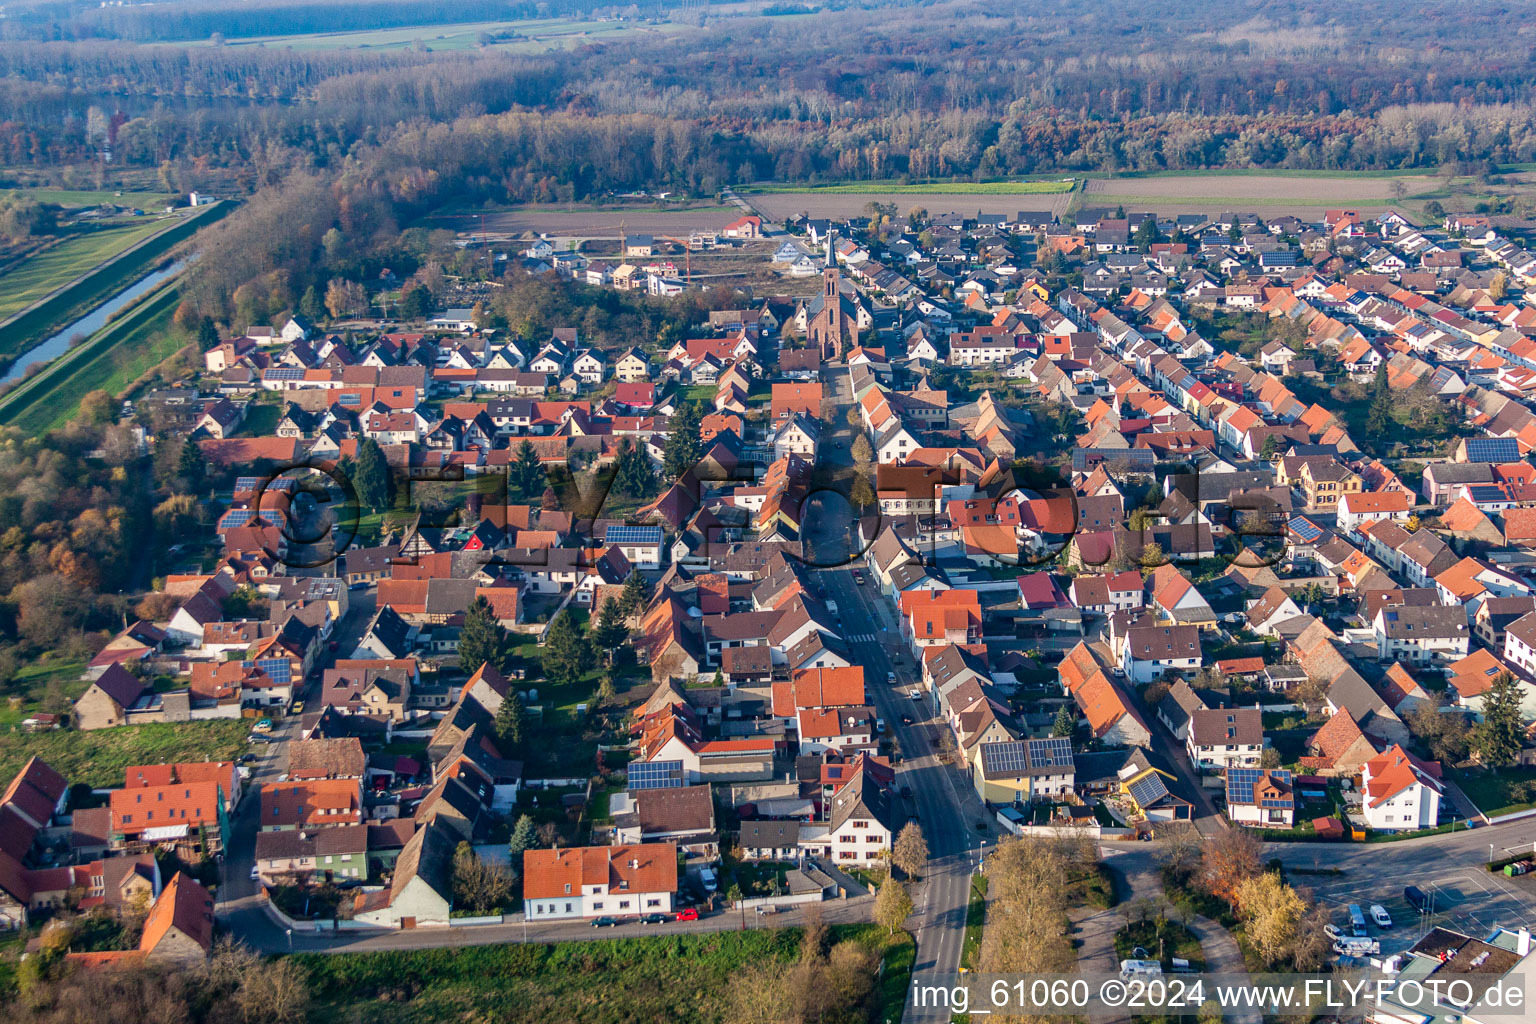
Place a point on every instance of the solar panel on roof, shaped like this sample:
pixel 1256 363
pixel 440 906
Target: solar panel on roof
pixel 1006 757
pixel 633 535
pixel 1492 449
pixel 1148 789
pixel 656 775
pixel 246 483
pixel 1305 529
pixel 284 373
pixel 279 670
pixel 236 517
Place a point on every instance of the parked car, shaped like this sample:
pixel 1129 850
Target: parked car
pixel 1357 921
pixel 879 725
pixel 1416 899
pixel 687 914
pixel 906 719
pixel 255 873
pixel 890 677
pixel 262 725
pixel 1332 931
pixel 708 880
pixel 1380 916
pixel 604 922
pixel 915 694
pixel 653 919
pixel 298 707
pixel 766 911
pixel 906 792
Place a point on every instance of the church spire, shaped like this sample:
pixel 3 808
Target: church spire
pixel 830 261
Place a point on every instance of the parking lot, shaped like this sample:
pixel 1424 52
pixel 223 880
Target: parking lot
pixel 1471 901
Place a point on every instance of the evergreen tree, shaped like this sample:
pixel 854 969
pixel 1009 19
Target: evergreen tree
pixel 370 475
pixel 1496 740
pixel 524 835
pixel 207 334
pixel 310 306
pixel 610 631
pixel 482 640
pixel 683 448
pixel 1065 724
pixel 635 594
pixel 527 481
pixel 1379 416
pixel 633 476
pixel 510 723
pixel 567 655
pixel 190 465
pixel 416 303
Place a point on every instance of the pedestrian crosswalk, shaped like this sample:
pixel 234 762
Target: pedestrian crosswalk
pixel 860 638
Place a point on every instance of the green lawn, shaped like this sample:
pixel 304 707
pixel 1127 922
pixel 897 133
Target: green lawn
pixel 55 267
pixel 1512 789
pixel 680 978
pixel 31 686
pixel 975 920
pixel 98 758
pixel 76 198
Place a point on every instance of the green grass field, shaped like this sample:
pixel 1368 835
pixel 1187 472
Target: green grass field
pixel 1510 790
pixel 76 198
pixel 66 305
pixel 681 978
pixel 976 188
pixel 55 267
pixel 98 758
pixel 31 686
pixel 110 360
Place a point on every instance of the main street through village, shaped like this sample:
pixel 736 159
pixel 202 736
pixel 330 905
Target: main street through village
pixel 938 794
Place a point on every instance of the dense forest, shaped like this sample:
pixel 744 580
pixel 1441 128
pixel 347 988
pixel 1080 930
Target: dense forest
pixel 340 149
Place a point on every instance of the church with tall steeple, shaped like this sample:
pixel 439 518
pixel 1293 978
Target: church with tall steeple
pixel 832 319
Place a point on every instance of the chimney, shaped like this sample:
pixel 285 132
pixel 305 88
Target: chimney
pixel 1523 942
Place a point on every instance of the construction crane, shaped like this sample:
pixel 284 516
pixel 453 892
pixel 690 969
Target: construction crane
pixel 687 245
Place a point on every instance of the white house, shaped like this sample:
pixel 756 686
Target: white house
pixel 1419 634
pixel 1261 797
pixel 1357 507
pixel 1400 791
pixel 1151 651
pixel 1225 737
pixel 599 881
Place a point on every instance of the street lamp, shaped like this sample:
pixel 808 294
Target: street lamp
pixel 289 933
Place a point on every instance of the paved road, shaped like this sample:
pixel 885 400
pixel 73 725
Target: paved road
pixel 942 797
pixel 1448 867
pixel 240 854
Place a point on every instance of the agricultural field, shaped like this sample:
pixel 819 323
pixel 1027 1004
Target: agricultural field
pixel 538 36
pixel 1301 194
pixel 968 188
pixel 55 267
pixel 580 220
pixel 850 201
pixel 97 758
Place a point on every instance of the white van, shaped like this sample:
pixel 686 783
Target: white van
pixel 707 878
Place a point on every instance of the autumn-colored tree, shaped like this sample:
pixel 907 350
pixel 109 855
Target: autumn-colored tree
pixel 1272 913
pixel 910 851
pixel 892 905
pixel 1227 860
